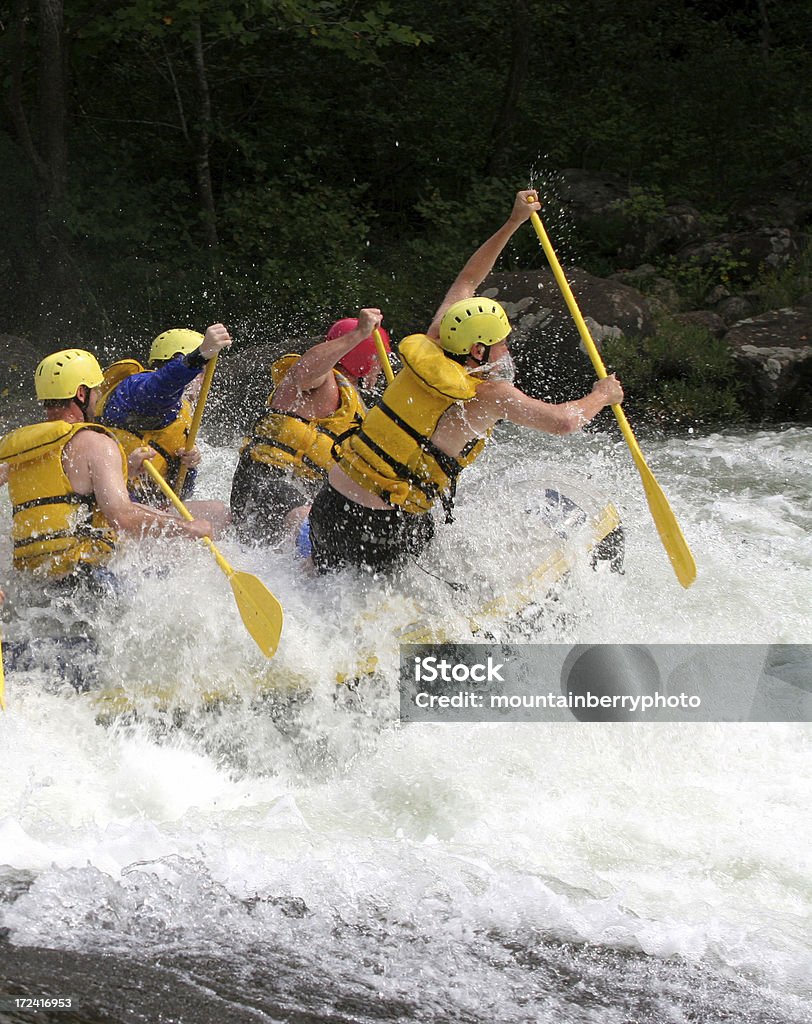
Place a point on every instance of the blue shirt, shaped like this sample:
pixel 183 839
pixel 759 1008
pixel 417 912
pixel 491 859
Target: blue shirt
pixel 149 400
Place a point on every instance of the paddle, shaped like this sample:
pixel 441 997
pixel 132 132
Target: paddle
pixel 260 611
pixel 664 519
pixel 383 357
pixel 208 373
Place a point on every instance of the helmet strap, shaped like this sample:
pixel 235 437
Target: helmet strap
pixel 487 359
pixel 83 405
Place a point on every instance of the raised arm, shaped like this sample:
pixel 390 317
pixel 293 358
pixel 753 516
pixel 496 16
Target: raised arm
pixel 481 263
pixel 500 400
pixel 151 397
pixel 316 365
pixel 154 397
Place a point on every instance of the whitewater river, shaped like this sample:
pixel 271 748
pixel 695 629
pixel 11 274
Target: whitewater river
pixel 258 861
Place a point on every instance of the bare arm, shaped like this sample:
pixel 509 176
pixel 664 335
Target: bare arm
pixel 562 418
pixel 481 263
pixel 316 365
pixel 502 401
pixel 93 466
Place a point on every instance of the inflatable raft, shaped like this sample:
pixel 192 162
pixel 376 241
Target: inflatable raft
pixel 562 524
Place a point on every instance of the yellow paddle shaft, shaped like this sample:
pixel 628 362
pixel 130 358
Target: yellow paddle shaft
pixel 668 528
pixel 197 416
pixel 383 356
pixel 583 330
pixel 187 515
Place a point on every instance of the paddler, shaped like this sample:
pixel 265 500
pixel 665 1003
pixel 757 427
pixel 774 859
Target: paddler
pixel 316 398
pixel 67 479
pixel 153 407
pixel 432 422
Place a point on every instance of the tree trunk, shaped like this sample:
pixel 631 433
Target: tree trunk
pixel 201 137
pixel 53 108
pixel 764 29
pixel 46 147
pixel 517 74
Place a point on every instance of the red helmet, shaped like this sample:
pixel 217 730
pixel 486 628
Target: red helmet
pixel 359 360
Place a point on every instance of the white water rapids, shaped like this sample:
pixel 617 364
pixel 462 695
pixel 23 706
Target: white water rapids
pixel 565 872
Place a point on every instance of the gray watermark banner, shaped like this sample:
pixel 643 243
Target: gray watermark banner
pixel 606 682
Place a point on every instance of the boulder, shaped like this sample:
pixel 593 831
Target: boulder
pixel 660 291
pixel 743 254
pixel 549 354
pixel 616 221
pixel 734 308
pixel 784 200
pixel 774 351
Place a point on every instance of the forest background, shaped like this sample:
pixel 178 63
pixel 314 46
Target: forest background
pixel 275 164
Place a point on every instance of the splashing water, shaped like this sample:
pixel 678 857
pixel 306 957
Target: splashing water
pixel 322 859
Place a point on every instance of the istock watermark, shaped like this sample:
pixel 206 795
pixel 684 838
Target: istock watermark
pixel 606 682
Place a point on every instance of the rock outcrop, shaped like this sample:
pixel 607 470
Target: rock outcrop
pixel 546 345
pixel 774 351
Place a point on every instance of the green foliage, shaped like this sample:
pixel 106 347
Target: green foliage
pixel 696 278
pixel 778 288
pixel 680 375
pixel 296 253
pixel 643 205
pixel 351 147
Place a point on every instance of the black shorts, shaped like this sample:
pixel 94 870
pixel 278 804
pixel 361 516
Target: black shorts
pixel 261 497
pixel 343 533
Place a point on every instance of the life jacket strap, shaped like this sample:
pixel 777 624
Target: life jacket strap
pixel 264 442
pixel 59 499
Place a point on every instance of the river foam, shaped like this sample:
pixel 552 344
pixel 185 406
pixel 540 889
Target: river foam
pixel 479 872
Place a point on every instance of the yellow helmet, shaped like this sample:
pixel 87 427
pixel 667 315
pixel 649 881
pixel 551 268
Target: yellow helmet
pixel 473 321
pixel 61 374
pixel 169 343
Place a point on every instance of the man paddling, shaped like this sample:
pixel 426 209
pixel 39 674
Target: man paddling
pixel 153 407
pixel 456 384
pixel 316 399
pixel 68 479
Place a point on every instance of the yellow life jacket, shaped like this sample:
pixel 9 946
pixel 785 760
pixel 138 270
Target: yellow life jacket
pixel 53 527
pixel 296 443
pixel 392 455
pixel 166 440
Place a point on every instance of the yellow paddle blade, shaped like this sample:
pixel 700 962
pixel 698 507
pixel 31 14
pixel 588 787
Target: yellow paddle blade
pixel 261 612
pixel 676 547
